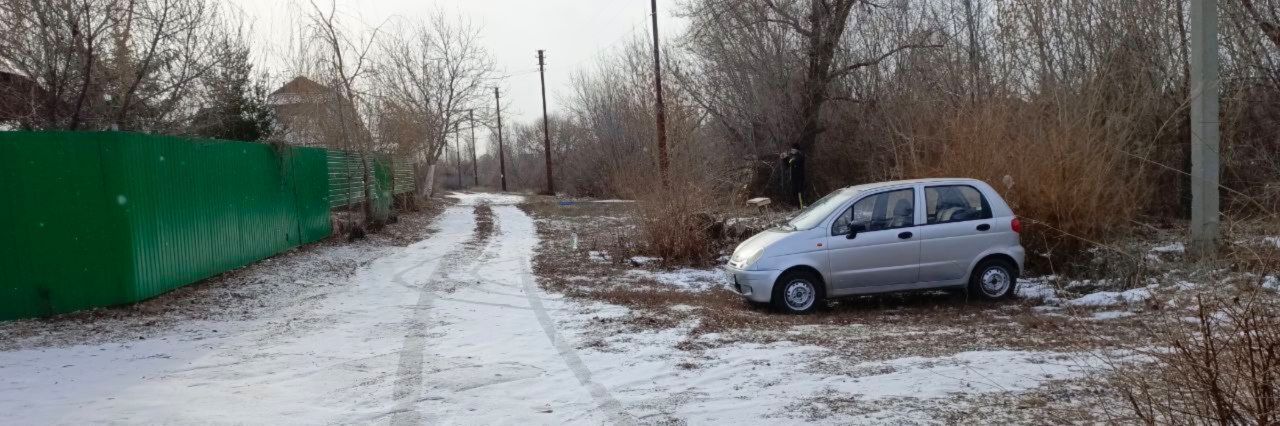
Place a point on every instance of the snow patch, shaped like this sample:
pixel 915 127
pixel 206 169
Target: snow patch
pixel 1174 247
pixel 1270 282
pixel 1111 298
pixel 1109 315
pixel 474 198
pixel 643 260
pixel 684 279
pixel 1275 241
pixel 1038 288
pixel 977 372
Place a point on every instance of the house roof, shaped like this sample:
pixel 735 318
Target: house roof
pixel 301 85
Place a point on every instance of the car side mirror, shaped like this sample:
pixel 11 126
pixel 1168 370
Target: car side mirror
pixel 854 229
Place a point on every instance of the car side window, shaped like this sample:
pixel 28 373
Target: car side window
pixel 886 210
pixel 955 203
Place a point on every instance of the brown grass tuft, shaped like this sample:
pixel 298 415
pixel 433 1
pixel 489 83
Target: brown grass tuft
pixel 1221 365
pixel 677 225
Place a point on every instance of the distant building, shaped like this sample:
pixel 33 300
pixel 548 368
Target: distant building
pixel 23 102
pixel 312 114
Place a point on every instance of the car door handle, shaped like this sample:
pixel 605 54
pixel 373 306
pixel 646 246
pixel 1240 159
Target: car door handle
pixel 905 235
pixel 984 227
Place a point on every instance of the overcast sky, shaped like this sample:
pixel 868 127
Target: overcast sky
pixel 573 32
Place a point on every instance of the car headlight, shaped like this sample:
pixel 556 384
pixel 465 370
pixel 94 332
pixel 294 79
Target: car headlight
pixel 750 260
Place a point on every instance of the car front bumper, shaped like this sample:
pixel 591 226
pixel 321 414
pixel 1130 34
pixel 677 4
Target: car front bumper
pixel 756 286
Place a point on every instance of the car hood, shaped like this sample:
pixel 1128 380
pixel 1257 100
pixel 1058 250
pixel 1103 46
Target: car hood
pixel 757 243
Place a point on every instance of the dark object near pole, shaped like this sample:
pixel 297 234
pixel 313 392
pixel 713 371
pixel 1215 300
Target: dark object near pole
pixel 502 159
pixel 546 133
pixel 475 170
pixel 793 160
pixel 663 163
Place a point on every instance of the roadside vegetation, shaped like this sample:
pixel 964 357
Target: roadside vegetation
pixel 1082 124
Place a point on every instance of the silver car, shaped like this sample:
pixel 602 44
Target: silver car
pixel 873 239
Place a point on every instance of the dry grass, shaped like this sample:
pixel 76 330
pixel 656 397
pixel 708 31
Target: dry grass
pixel 1219 365
pixel 677 225
pixel 1074 182
pixel 484 222
pixel 939 324
pixel 861 328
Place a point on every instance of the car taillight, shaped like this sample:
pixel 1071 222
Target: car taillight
pixel 1016 225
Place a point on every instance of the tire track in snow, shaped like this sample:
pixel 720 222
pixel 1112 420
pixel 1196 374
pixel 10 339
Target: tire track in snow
pixel 481 250
pixel 606 401
pixel 412 356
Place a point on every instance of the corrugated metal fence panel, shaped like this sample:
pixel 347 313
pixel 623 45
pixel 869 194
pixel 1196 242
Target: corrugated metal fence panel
pixel 402 176
pixel 173 211
pixel 63 237
pixel 346 180
pixel 312 194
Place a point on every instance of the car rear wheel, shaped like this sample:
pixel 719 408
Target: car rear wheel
pixel 993 279
pixel 798 292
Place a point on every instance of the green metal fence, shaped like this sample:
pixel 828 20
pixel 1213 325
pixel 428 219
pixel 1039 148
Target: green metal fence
pixel 392 176
pixel 100 219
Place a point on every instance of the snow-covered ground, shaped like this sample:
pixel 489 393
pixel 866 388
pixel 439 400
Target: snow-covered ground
pixel 455 329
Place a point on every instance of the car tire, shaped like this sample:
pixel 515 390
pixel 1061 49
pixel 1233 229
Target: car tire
pixel 994 279
pixel 798 292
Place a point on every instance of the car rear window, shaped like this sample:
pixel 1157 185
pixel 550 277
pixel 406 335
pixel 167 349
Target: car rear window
pixel 955 203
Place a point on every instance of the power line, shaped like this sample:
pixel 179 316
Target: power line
pixel 631 31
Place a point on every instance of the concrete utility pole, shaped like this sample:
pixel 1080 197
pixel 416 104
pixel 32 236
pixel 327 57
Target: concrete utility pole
pixel 663 163
pixel 475 170
pixel 1204 126
pixel 546 133
pixel 502 160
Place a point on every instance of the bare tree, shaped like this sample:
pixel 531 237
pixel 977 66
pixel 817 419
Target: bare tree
pixel 811 36
pixel 128 64
pixel 436 70
pixel 346 61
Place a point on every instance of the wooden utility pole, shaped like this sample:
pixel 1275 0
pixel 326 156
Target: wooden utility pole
pixel 1204 126
pixel 546 132
pixel 971 21
pixel 475 170
pixel 502 160
pixel 457 153
pixel 663 164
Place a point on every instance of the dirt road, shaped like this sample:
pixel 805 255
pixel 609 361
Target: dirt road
pixel 455 329
pixel 451 329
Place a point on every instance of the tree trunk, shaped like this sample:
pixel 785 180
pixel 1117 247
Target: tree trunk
pixel 430 180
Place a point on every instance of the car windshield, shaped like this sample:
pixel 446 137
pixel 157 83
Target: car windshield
pixel 813 215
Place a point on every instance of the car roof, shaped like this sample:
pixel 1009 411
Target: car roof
pixel 909 182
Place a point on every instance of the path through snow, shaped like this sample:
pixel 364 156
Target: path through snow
pixel 450 329
pixel 455 330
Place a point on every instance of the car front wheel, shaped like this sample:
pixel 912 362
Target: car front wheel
pixel 798 292
pixel 993 279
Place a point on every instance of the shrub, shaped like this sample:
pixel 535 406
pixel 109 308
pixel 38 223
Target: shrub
pixel 1221 366
pixel 676 224
pixel 1071 176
